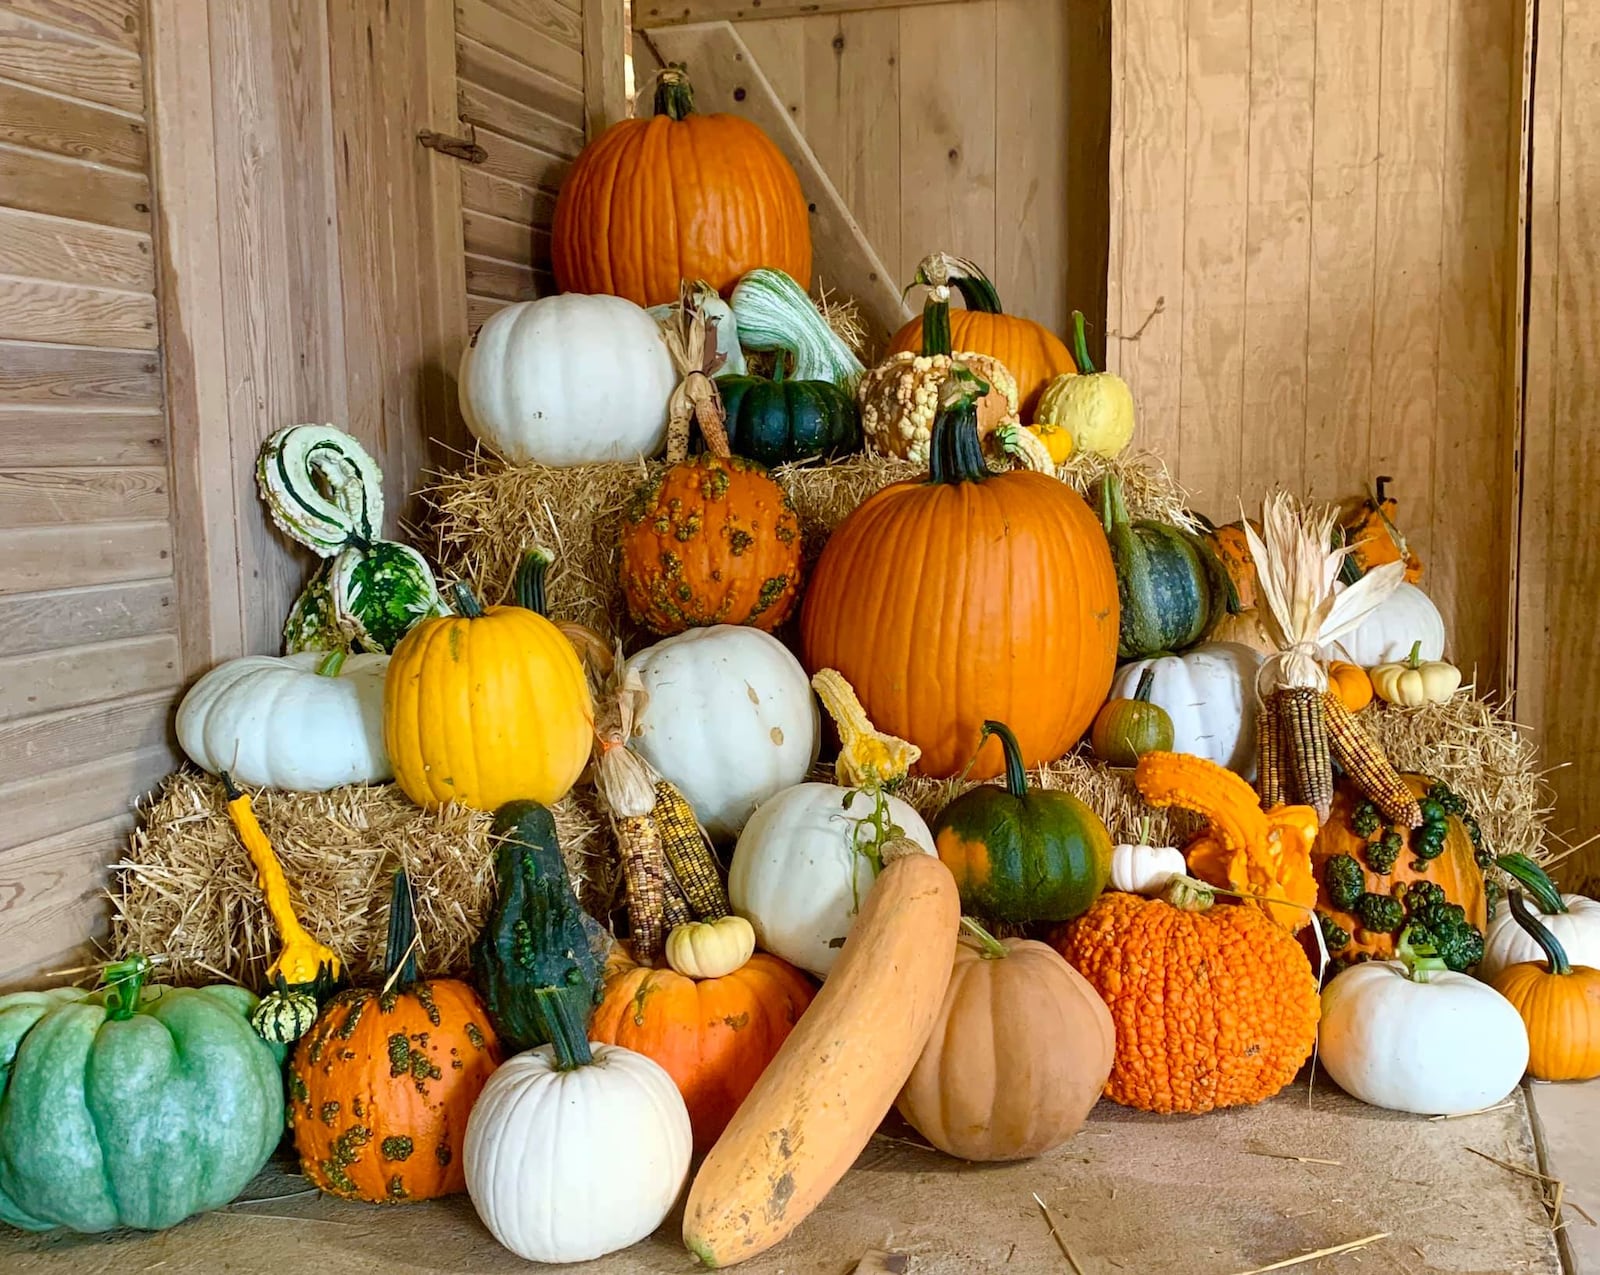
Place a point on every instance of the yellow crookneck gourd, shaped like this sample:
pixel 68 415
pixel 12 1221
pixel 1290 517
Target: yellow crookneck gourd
pixel 867 756
pixel 1263 856
pixel 306 971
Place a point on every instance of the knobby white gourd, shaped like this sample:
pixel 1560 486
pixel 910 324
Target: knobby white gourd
pixel 774 313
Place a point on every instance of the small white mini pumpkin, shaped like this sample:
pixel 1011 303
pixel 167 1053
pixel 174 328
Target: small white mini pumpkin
pixel 1145 869
pixel 711 949
pixel 302 723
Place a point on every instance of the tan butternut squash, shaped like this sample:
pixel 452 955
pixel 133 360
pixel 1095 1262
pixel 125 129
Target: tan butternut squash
pixel 838 1073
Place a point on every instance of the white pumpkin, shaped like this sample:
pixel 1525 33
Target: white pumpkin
pixel 1210 694
pixel 1144 869
pixel 1386 636
pixel 567 1166
pixel 1577 930
pixel 730 720
pixel 1413 1038
pixel 797 876
pixel 567 380
pixel 277 722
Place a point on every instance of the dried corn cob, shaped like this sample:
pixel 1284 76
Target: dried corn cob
pixel 677 911
pixel 1269 748
pixel 689 852
pixel 644 871
pixel 1362 760
pixel 1303 732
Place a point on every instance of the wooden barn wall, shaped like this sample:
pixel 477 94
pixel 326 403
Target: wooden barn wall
pixel 1309 263
pixel 1556 647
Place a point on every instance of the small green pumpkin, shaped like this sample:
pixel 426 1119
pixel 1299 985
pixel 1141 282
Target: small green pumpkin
pixel 1171 586
pixel 1020 853
pixel 1125 728
pixel 779 420
pixel 538 946
pixel 132 1105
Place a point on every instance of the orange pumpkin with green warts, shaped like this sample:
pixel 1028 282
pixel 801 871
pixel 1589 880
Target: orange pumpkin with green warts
pixel 1233 551
pixel 380 1088
pixel 713 1036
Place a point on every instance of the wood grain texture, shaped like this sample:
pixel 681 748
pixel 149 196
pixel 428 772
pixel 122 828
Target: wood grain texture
pixel 484 108
pixel 660 13
pixel 605 50
pixel 41 247
pixel 76 497
pixel 75 797
pixel 39 746
pixel 500 31
pixel 51 680
pixel 487 236
pixel 39 558
pixel 118 22
pixel 32 310
pixel 67 62
pixel 478 64
pixel 32 622
pixel 36 182
pixel 37 436
pixel 507 200
pixel 55 374
pixel 512 161
pixel 64 126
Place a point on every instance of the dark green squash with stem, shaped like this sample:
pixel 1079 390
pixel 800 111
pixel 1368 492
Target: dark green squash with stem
pixel 1125 728
pixel 781 420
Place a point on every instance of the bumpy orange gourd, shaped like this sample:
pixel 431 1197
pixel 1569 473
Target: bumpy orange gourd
pixel 1559 1003
pixel 1233 551
pixel 1033 354
pixel 678 196
pixel 1213 1008
pixel 1263 855
pixel 713 540
pixel 1351 684
pixel 486 707
pixel 380 1088
pixel 714 1036
pixel 968 597
pixel 1374 539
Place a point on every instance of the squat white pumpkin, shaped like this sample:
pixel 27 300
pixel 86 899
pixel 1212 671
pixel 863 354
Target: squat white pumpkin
pixel 567 380
pixel 730 720
pixel 1145 869
pixel 302 723
pixel 1576 927
pixel 1405 617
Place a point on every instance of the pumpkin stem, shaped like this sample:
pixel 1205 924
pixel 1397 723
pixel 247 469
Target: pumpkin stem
pixel 1414 660
pixel 1016 772
pixel 1421 960
pixel 1144 830
pixel 1080 345
pixel 936 323
pixel 1534 880
pixel 123 983
pixel 332 662
pixel 1188 895
pixel 567 1028
pixel 531 574
pixel 674 93
pixel 1113 508
pixel 956 455
pixel 467 605
pixel 400 956
pixel 945 270
pixel 1147 681
pixel 1555 955
pixel 989 947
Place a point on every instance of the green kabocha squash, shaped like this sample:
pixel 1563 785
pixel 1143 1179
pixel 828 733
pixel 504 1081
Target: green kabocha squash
pixel 781 420
pixel 538 946
pixel 323 489
pixel 1171 586
pixel 1020 853
pixel 131 1105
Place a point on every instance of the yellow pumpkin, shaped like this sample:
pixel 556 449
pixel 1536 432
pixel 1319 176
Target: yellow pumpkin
pixel 486 707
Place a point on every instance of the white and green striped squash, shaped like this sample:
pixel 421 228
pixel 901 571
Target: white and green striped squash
pixel 774 313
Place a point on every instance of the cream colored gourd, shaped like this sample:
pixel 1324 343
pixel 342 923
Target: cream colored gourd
pixel 1405 617
pixel 1414 681
pixel 569 1165
pixel 1411 1035
pixel 568 380
pixel 837 1074
pixel 1143 868
pixel 1577 930
pixel 1096 408
pixel 730 720
pixel 803 865
pixel 276 722
pixel 711 949
pixel 1209 692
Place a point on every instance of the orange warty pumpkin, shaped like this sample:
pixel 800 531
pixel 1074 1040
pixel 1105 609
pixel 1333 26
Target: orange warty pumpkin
pixel 968 597
pixel 1233 551
pixel 1032 353
pixel 678 196
pixel 380 1088
pixel 714 1036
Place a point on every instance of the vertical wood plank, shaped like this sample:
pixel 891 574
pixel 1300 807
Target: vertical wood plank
pixel 780 47
pixel 605 91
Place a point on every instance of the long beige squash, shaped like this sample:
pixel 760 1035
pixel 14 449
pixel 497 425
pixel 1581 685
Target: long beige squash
pixel 838 1073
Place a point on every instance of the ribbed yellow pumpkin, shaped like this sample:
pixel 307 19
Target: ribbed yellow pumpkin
pixel 485 707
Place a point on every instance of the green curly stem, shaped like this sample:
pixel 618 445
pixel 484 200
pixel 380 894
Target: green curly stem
pixel 530 583
pixel 674 93
pixel 955 455
pixel 1016 772
pixel 1532 878
pixel 568 1032
pixel 123 983
pixel 1555 955
pixel 466 602
pixel 1420 959
pixel 1147 683
pixel 400 958
pixel 989 947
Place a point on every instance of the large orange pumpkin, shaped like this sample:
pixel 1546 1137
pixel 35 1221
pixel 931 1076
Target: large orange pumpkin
pixel 713 1036
pixel 1033 354
pixel 965 598
pixel 380 1088
pixel 678 196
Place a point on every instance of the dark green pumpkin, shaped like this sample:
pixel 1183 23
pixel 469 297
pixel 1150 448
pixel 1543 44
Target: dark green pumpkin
pixel 778 420
pixel 1171 585
pixel 1126 728
pixel 1020 853
pixel 539 957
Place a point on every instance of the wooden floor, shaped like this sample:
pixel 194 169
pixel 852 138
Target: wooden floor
pixel 1132 1193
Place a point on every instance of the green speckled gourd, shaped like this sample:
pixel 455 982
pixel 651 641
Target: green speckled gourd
pixel 131 1105
pixel 537 944
pixel 1171 586
pixel 785 420
pixel 324 490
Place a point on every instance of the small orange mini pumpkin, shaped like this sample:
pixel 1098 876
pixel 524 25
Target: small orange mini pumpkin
pixel 1351 684
pixel 713 1036
pixel 380 1088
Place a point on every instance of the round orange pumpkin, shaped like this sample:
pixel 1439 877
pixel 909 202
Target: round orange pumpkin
pixel 678 196
pixel 380 1088
pixel 1032 353
pixel 714 1036
pixel 965 598
pixel 1351 684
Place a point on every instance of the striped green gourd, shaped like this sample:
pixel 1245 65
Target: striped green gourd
pixel 774 313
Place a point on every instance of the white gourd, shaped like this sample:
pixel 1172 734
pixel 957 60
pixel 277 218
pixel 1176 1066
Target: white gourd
pixel 1386 636
pixel 797 876
pixel 274 722
pixel 1210 694
pixel 567 1166
pixel 1145 869
pixel 774 313
pixel 730 720
pixel 1577 930
pixel 568 380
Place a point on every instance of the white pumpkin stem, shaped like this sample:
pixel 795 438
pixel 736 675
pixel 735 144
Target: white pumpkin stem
pixel 332 662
